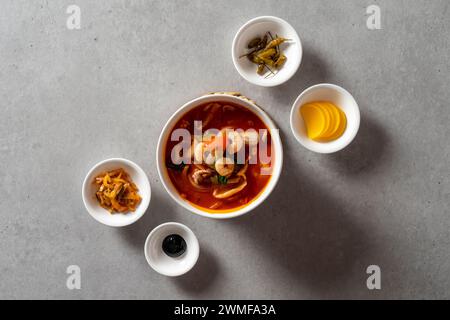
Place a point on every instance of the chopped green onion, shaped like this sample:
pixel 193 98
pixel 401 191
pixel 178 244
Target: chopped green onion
pixel 222 179
pixel 176 167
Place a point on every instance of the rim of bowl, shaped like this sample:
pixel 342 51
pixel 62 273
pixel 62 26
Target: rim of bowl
pixel 180 226
pixel 267 189
pixel 297 40
pixel 142 206
pixel 348 140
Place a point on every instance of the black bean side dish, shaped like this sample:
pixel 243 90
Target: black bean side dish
pixel 174 245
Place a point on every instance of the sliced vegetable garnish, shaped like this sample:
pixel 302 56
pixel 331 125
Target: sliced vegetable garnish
pixel 177 167
pixel 222 179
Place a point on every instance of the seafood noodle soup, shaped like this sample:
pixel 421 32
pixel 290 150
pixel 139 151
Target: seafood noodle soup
pixel 219 156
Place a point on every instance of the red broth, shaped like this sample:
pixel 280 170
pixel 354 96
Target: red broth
pixel 236 117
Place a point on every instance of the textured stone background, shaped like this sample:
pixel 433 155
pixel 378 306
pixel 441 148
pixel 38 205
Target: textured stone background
pixel 385 200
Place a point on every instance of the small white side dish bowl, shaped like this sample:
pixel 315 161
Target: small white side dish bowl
pixel 257 27
pixel 102 215
pixel 336 95
pixel 165 135
pixel 162 263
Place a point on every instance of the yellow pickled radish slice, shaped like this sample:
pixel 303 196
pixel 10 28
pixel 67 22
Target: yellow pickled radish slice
pixel 324 121
pixel 335 119
pixel 328 119
pixel 314 119
pixel 336 116
pixel 342 126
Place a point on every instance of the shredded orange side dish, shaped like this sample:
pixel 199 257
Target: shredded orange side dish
pixel 116 192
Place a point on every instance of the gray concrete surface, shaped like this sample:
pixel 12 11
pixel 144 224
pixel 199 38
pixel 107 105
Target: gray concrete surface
pixel 385 200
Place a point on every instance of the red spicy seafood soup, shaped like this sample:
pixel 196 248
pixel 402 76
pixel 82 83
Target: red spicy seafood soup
pixel 226 160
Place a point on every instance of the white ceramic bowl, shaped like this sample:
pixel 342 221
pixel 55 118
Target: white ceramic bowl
pixel 165 135
pixel 100 214
pixel 161 262
pixel 341 98
pixel 257 27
